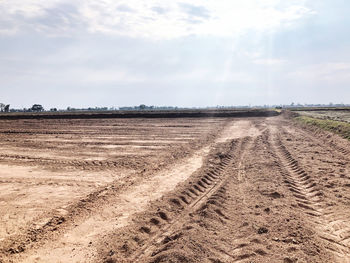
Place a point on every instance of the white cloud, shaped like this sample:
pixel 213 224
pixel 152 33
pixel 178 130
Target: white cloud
pixel 269 61
pixel 336 72
pixel 28 9
pixel 153 18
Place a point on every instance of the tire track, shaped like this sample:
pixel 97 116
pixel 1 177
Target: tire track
pixel 50 182
pixel 77 164
pixel 208 188
pixel 219 208
pixel 242 249
pixel 332 226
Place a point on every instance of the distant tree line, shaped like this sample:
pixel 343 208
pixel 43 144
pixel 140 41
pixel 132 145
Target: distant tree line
pixel 142 107
pixel 89 109
pixel 145 107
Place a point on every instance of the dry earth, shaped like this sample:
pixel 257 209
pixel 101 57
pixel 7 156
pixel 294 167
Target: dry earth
pixel 173 190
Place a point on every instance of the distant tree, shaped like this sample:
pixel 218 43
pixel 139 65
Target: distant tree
pixel 53 109
pixel 37 107
pixel 142 106
pixel 7 108
pixel 2 106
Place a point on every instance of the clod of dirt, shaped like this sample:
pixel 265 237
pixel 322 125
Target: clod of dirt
pixel 262 230
pixel 245 224
pixel 16 250
pixel 290 240
pixel 272 194
pixel 173 256
pixel 260 252
pixel 289 260
pixel 275 195
pixel 110 260
pixel 61 220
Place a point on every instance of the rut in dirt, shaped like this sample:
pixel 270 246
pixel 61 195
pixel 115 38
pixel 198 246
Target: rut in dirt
pixel 333 226
pixel 145 238
pixel 210 191
pixel 245 218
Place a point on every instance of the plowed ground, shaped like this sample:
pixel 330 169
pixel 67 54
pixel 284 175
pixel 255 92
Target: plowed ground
pixel 184 190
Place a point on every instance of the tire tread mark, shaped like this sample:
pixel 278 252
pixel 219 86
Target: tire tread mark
pixel 217 187
pixel 308 197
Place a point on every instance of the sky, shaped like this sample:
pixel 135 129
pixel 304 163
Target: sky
pixel 193 53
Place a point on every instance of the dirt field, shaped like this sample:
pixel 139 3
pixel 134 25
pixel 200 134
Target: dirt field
pixel 173 190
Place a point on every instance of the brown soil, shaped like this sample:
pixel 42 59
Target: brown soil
pixel 189 113
pixel 173 190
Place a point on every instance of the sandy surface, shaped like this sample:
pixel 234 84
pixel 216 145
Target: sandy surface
pixel 233 190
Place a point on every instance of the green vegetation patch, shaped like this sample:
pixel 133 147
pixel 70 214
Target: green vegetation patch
pixel 338 127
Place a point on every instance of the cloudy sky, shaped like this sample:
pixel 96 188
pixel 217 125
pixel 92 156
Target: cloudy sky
pixel 82 53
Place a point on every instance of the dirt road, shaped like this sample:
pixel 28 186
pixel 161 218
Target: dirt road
pixel 235 190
